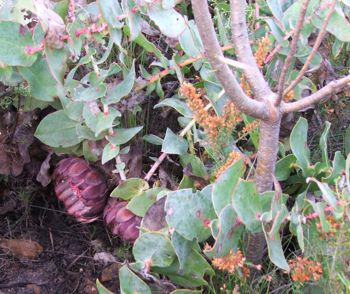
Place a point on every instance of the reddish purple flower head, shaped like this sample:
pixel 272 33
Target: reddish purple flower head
pixel 120 220
pixel 81 187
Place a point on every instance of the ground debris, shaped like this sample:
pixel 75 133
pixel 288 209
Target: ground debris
pixel 21 248
pixel 104 257
pixel 110 272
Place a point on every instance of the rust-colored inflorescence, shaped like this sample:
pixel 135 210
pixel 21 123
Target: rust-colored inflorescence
pixel 289 96
pixel 249 128
pixel 334 226
pixel 304 270
pixel 260 55
pixel 232 262
pixel 245 86
pixel 261 52
pixel 92 29
pixel 212 124
pixel 232 116
pixel 232 158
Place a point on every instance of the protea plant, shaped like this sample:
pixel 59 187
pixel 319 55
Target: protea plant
pixel 120 220
pixel 81 187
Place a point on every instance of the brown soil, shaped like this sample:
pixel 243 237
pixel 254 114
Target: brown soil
pixel 66 264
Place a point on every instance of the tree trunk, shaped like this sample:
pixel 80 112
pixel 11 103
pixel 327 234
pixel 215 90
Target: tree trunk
pixel 267 156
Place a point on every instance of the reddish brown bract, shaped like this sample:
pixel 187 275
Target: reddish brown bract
pixel 81 187
pixel 121 221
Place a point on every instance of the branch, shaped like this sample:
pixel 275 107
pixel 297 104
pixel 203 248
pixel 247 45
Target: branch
pixel 184 131
pixel 292 52
pixel 317 44
pixel 155 165
pixel 332 88
pixel 235 63
pixel 121 171
pixel 288 35
pixel 249 106
pixel 244 51
pixel 182 64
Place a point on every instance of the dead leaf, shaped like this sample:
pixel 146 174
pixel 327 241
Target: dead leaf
pixel 90 288
pixel 36 289
pixel 166 180
pixel 15 140
pixel 51 23
pixel 44 176
pixel 111 272
pixel 199 182
pixel 133 160
pixel 21 248
pixel 154 219
pixel 8 204
pixel 104 257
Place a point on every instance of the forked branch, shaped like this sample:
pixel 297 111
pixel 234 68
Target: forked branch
pixel 317 44
pixel 293 49
pixel 332 88
pixel 241 42
pixel 223 72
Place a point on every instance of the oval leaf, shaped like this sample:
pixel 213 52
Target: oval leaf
pixel 155 249
pixel 13 42
pixel 130 188
pixel 131 283
pixel 174 144
pixel 121 136
pixel 58 130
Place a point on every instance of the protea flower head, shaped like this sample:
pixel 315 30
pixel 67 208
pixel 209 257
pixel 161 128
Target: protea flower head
pixel 120 220
pixel 81 187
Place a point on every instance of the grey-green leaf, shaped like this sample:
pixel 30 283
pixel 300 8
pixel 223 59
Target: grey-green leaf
pixel 190 213
pixel 111 11
pixel 273 239
pixel 153 139
pixel 102 289
pixel 140 203
pixel 179 105
pixel 58 130
pixel 154 248
pixel 174 144
pixel 121 136
pixel 13 41
pixel 298 144
pixel 130 188
pixel 250 205
pixel 229 233
pixel 170 22
pixel 323 143
pixel 224 186
pixel 284 167
pixel 115 93
pixel 109 152
pixel 42 84
pixel 105 121
pixel 131 283
pixel 90 93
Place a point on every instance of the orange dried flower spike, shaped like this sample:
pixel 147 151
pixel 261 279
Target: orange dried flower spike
pixel 260 55
pixel 245 86
pixel 289 96
pixel 249 128
pixel 209 121
pixel 232 116
pixel 334 226
pixel 261 52
pixel 232 262
pixel 304 270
